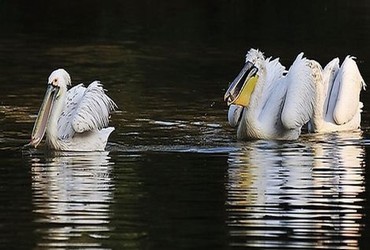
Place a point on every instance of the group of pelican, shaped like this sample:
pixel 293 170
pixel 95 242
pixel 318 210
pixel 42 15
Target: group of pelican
pixel 267 102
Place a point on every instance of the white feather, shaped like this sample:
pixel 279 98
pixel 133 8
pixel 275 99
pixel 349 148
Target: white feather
pixel 85 109
pixel 299 99
pixel 73 99
pixel 93 110
pixel 273 71
pixel 338 106
pixel 350 84
pixel 329 74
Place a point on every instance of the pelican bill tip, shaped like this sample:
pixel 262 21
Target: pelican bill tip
pixel 35 142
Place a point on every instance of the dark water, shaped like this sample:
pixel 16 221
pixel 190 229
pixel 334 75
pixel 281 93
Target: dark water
pixel 174 176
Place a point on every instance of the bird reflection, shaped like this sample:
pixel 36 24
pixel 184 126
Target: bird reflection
pixel 306 193
pixel 72 194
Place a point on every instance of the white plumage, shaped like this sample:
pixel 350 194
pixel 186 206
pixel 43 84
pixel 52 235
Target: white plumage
pixel 74 120
pixel 279 104
pixel 337 106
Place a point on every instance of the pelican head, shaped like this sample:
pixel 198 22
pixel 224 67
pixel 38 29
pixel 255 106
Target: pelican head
pixel 241 89
pixel 59 78
pixel 57 84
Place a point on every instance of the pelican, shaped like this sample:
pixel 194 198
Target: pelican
pixel 267 102
pixel 338 106
pixel 73 120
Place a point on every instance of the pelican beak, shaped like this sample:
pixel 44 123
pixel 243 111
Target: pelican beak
pixel 240 90
pixel 41 122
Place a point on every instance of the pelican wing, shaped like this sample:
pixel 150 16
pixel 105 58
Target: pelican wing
pixel 349 83
pixel 73 100
pixel 93 110
pixel 327 93
pixel 274 72
pixel 300 93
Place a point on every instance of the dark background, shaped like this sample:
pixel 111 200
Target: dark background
pixel 321 29
pixel 160 60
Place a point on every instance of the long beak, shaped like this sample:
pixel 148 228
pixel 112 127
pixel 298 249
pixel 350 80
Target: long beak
pixel 241 88
pixel 41 122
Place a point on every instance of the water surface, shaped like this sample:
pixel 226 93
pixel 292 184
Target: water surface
pixel 174 176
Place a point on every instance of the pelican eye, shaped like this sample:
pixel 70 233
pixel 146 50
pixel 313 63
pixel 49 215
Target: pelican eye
pixel 55 82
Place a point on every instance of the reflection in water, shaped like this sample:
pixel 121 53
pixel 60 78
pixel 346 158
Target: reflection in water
pixel 297 195
pixel 72 194
pixel 168 73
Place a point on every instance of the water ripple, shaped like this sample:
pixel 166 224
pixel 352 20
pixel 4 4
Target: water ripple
pixel 72 195
pixel 310 195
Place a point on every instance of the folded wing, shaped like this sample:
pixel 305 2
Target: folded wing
pixel 348 84
pixel 86 109
pixel 300 93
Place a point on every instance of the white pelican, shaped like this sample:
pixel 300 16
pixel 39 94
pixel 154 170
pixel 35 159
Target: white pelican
pixel 266 102
pixel 338 106
pixel 74 120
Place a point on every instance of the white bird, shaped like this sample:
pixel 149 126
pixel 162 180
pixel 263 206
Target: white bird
pixel 338 106
pixel 266 102
pixel 74 120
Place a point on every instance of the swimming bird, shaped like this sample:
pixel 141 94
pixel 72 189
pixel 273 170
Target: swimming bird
pixel 267 102
pixel 337 106
pixel 74 119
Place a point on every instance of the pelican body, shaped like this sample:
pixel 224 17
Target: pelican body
pixel 75 119
pixel 267 102
pixel 337 106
